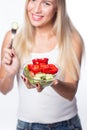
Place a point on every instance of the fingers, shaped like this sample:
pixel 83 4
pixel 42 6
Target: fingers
pixel 7 55
pixel 7 58
pixel 55 83
pixel 28 85
pixel 23 78
pixel 39 87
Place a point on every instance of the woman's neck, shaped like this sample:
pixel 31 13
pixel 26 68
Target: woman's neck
pixel 44 31
pixel 44 42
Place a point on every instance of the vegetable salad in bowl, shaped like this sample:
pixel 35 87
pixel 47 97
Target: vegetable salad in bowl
pixel 40 71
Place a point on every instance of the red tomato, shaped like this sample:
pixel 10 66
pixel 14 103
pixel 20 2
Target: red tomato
pixel 43 60
pixel 35 61
pixel 30 67
pixel 41 65
pixel 52 69
pixel 44 68
pixel 35 68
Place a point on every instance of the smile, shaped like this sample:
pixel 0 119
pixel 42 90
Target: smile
pixel 36 17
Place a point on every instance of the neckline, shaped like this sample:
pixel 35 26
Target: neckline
pixel 41 53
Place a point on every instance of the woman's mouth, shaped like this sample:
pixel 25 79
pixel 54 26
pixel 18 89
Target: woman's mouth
pixel 36 17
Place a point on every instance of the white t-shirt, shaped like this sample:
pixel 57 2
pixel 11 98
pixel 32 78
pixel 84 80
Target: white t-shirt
pixel 46 106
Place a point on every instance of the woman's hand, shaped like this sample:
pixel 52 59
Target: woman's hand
pixel 39 87
pixel 10 61
pixel 30 86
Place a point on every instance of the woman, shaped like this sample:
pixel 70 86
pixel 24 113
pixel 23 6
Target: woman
pixel 47 33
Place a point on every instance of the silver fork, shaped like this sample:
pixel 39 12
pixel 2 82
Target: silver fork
pixel 13 30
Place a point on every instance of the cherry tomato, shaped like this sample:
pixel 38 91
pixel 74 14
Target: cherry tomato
pixel 41 65
pixel 52 69
pixel 43 60
pixel 30 67
pixel 35 61
pixel 44 68
pixel 35 68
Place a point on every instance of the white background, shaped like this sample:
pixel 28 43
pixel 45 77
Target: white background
pixel 13 10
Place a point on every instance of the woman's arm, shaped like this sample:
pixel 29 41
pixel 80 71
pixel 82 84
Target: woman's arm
pixel 9 65
pixel 68 88
pixel 6 83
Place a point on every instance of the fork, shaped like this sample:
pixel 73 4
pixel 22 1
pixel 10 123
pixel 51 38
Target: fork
pixel 13 30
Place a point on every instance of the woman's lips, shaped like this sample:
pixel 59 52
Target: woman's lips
pixel 36 17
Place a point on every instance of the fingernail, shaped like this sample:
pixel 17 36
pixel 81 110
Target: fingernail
pixel 37 85
pixel 12 54
pixel 24 79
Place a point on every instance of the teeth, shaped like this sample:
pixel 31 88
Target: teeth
pixel 36 16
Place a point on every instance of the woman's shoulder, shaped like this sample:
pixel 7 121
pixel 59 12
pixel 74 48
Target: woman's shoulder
pixel 78 44
pixel 77 38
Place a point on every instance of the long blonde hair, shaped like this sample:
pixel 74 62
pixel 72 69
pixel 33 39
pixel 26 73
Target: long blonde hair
pixel 63 29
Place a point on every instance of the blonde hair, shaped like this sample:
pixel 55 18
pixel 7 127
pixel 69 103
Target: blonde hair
pixel 64 31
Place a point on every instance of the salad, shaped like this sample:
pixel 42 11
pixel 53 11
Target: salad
pixel 40 71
